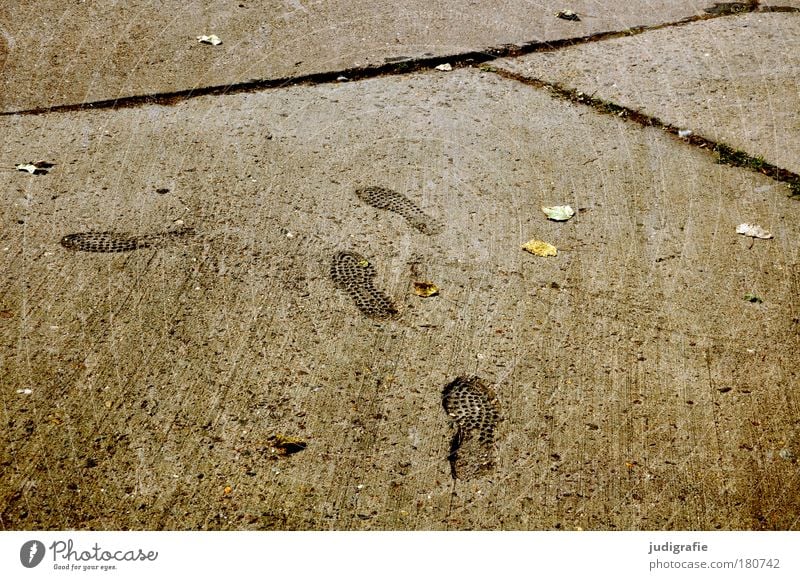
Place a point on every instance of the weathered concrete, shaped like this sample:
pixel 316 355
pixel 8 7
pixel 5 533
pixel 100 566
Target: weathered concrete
pixel 735 79
pixel 639 389
pixel 55 53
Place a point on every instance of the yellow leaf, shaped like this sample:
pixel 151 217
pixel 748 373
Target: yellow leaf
pixel 540 248
pixel 425 289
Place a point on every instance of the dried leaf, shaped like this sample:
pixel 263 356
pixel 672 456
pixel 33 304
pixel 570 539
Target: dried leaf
pixel 38 168
pixel 444 67
pixel 559 213
pixel 540 248
pixel 6 314
pixel 568 15
pixel 425 289
pixel 287 445
pixel 724 8
pixel 210 39
pixel 753 231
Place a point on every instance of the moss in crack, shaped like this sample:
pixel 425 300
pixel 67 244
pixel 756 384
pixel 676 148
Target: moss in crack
pixel 794 188
pixel 403 66
pixel 614 109
pixel 727 155
pixel 730 156
pixel 736 158
pixel 610 108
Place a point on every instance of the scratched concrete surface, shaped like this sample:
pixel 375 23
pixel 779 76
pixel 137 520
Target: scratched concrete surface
pixel 157 388
pixel 53 53
pixel 735 80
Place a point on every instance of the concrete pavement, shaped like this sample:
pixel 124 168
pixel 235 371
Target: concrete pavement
pixel 90 51
pixel 731 79
pixel 638 388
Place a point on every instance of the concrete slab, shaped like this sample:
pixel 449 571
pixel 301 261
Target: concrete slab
pixel 87 51
pixel 734 80
pixel 150 389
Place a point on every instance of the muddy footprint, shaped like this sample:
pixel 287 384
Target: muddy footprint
pixel 109 242
pixel 474 408
pixel 353 273
pixel 384 198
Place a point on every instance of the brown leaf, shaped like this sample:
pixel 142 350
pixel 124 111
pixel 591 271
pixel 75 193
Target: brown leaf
pixel 287 445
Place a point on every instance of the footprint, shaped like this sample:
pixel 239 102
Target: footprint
pixel 474 408
pixel 353 273
pixel 108 242
pixel 383 198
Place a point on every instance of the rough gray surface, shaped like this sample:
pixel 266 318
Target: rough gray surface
pixel 53 52
pixel 735 80
pixel 639 390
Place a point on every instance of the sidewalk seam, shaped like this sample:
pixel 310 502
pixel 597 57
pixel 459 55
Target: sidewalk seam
pixel 459 60
pixel 726 155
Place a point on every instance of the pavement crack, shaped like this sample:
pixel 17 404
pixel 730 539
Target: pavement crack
pixel 394 67
pixel 726 155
